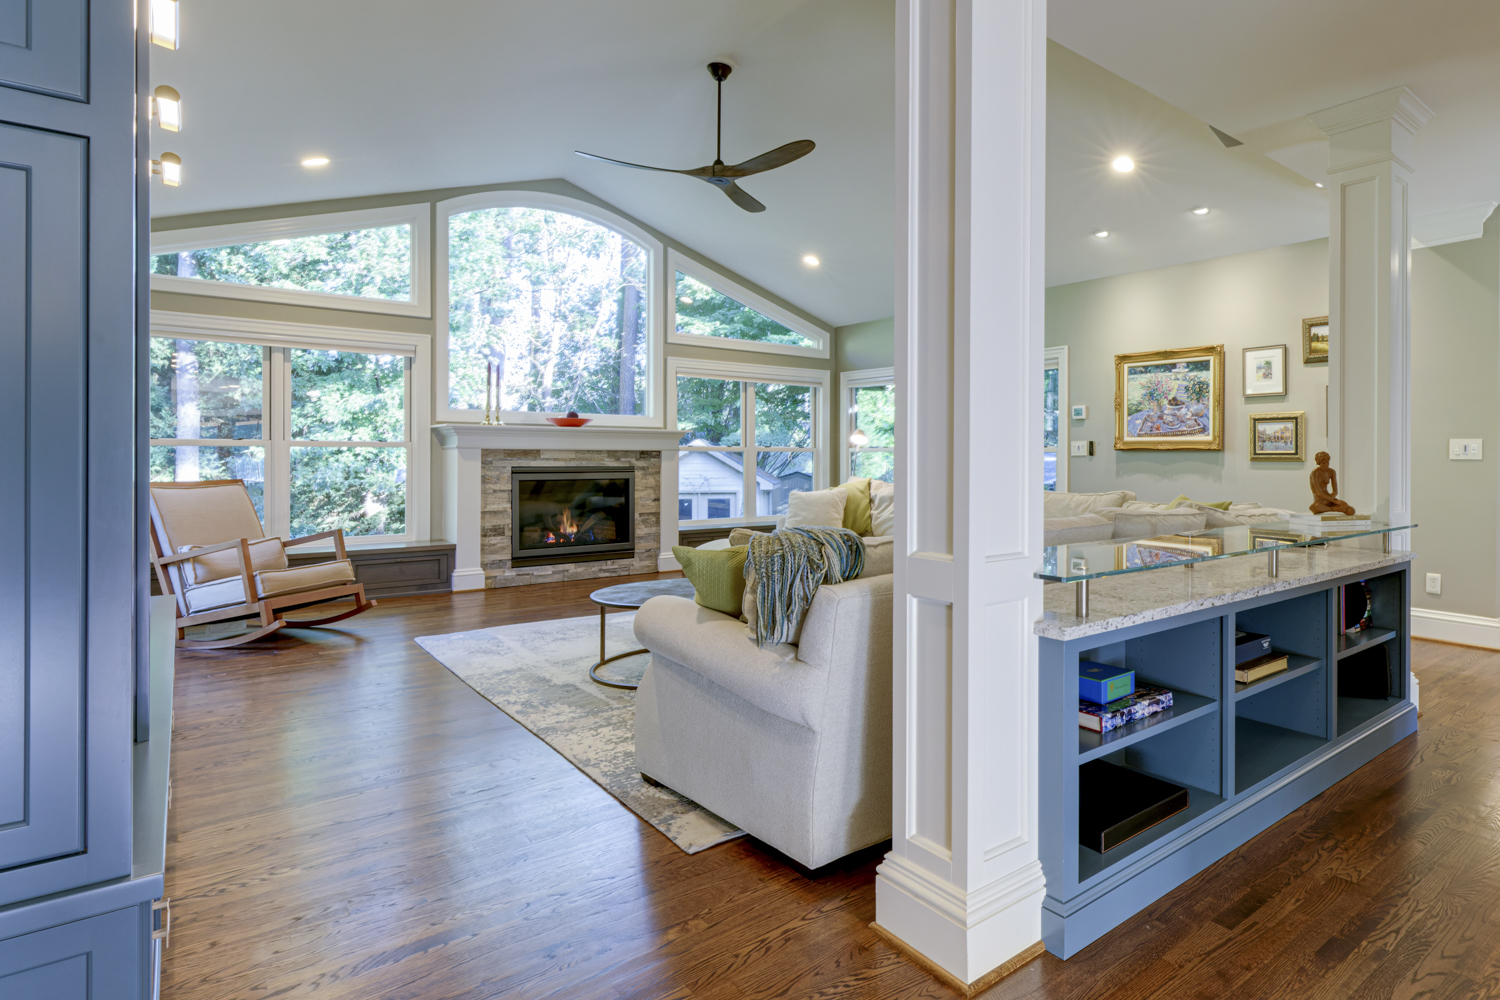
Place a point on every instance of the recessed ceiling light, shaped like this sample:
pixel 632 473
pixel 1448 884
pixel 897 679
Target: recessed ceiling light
pixel 1317 184
pixel 1201 211
pixel 810 261
pixel 1102 233
pixel 1123 164
pixel 315 161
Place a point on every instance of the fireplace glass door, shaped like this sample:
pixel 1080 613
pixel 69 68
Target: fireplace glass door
pixel 563 514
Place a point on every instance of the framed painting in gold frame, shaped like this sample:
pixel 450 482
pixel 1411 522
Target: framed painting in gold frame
pixel 1278 437
pixel 1315 340
pixel 1170 400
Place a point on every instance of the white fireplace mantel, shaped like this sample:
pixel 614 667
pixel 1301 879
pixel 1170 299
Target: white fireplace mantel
pixel 463 445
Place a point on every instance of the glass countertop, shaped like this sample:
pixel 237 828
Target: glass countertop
pixel 1091 560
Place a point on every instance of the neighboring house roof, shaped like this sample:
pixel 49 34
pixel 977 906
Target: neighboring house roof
pixel 731 459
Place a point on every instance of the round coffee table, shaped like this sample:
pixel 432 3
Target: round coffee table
pixel 630 596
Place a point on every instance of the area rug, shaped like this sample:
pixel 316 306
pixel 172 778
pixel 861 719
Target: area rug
pixel 538 674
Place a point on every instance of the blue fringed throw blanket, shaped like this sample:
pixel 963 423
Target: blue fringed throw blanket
pixel 789 566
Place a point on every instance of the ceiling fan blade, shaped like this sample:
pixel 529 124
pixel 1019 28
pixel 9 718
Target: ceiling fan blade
pixel 695 172
pixel 741 197
pixel 778 157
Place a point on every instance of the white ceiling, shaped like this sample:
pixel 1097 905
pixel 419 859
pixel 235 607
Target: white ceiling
pixel 461 93
pixel 407 97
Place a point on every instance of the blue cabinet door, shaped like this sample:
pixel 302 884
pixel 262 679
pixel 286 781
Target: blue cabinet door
pixel 100 958
pixel 44 47
pixel 43 339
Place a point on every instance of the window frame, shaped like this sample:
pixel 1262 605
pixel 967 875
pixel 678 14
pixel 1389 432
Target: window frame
pixel 418 217
pixel 1057 357
pixel 848 382
pixel 277 403
pixel 678 261
pixel 656 411
pixel 818 379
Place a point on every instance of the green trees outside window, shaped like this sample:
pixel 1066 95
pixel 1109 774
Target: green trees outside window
pixel 872 409
pixel 558 302
pixel 365 263
pixel 742 440
pixel 706 312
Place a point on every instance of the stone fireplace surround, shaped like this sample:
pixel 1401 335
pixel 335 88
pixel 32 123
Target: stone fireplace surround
pixel 477 464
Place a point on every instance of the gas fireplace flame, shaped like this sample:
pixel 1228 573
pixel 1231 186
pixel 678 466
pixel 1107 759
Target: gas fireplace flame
pixel 566 529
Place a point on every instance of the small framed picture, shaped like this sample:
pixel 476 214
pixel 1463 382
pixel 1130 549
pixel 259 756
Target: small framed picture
pixel 1315 340
pixel 1265 371
pixel 1277 437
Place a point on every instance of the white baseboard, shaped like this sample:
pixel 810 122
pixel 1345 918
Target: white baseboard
pixel 667 563
pixel 1447 626
pixel 468 579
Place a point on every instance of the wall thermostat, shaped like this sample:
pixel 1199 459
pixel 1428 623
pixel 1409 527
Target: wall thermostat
pixel 1081 411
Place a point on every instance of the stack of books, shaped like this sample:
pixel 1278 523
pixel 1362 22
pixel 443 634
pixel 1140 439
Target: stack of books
pixel 1144 701
pixel 1318 524
pixel 1262 666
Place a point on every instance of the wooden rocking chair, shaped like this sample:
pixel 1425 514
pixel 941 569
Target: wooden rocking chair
pixel 211 554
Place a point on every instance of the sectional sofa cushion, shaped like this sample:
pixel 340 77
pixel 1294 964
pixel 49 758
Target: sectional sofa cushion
pixel 1132 524
pixel 1074 530
pixel 816 509
pixel 882 508
pixel 1055 505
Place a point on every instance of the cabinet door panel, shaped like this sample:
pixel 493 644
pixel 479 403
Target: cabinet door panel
pixel 94 959
pixel 43 293
pixel 44 47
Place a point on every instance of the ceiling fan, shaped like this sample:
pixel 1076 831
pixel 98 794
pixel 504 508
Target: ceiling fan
pixel 717 173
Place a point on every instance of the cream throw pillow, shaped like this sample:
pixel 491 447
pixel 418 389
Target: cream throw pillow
pixel 816 509
pixel 882 508
pixel 265 554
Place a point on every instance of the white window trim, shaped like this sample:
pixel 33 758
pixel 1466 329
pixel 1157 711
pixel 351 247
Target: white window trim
pixel 417 346
pixel 1057 357
pixel 656 414
pixel 818 378
pixel 848 381
pixel 677 261
pixel 418 217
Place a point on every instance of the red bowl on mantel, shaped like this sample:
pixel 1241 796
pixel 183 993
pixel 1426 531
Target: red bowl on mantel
pixel 569 421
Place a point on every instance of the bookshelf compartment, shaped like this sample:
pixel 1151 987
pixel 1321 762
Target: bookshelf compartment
pixel 1298 625
pixel 1297 666
pixel 1262 749
pixel 1355 712
pixel 1185 708
pixel 1185 659
pixel 1092 864
pixel 1351 643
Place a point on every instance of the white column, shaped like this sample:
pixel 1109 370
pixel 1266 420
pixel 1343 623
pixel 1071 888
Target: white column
pixel 1369 314
pixel 962 885
pixel 461 498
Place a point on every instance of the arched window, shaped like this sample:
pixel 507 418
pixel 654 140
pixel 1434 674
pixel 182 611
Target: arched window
pixel 558 297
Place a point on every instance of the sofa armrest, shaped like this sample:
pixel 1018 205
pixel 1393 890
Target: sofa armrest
pixel 718 648
pixel 849 624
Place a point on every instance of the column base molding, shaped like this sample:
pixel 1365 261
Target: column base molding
pixel 968 935
pixel 468 579
pixel 947 978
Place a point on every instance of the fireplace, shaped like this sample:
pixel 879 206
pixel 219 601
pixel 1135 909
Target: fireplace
pixel 571 514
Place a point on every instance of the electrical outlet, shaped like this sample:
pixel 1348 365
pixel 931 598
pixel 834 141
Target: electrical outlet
pixel 1082 449
pixel 1434 583
pixel 1466 449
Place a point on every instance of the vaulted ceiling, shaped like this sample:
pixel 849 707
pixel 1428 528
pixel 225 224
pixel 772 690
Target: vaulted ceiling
pixel 406 97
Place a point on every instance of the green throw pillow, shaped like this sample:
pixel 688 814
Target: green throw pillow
pixel 1183 498
pixel 857 507
pixel 717 576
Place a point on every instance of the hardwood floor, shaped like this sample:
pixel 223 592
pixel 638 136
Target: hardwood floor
pixel 350 820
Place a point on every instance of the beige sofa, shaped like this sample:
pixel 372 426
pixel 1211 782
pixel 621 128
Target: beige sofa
pixel 791 743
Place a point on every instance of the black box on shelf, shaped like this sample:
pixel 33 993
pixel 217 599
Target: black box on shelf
pixel 1250 646
pixel 1366 673
pixel 1116 803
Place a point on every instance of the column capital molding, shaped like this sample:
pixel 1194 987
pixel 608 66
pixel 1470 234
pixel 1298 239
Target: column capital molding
pixel 1397 105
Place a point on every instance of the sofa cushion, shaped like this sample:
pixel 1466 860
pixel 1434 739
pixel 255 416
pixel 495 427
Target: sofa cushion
pixel 1213 517
pixel 882 508
pixel 1072 530
pixel 816 509
pixel 1145 505
pixel 880 555
pixel 1056 505
pixel 1183 499
pixel 717 576
pixel 279 583
pixel 857 506
pixel 1131 524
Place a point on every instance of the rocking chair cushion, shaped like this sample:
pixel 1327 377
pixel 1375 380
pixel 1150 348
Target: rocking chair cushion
pixel 272 583
pixel 265 554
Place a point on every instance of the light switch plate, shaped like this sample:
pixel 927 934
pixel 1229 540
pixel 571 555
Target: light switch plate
pixel 1081 411
pixel 1466 449
pixel 1434 583
pixel 1082 449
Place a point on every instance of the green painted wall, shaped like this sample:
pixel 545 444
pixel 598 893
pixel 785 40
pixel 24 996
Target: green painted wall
pixel 865 345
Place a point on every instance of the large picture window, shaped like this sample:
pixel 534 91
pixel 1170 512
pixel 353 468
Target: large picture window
pixel 710 310
pixel 747 443
pixel 373 261
pixel 321 437
pixel 559 304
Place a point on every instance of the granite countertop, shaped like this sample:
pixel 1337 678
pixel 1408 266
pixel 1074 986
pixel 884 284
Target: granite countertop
pixel 1117 602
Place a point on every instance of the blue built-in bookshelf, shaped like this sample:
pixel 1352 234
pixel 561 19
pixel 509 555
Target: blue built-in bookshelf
pixel 1248 754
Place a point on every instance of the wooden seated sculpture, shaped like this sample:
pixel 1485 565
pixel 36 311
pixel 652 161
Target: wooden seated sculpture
pixel 211 554
pixel 1325 487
